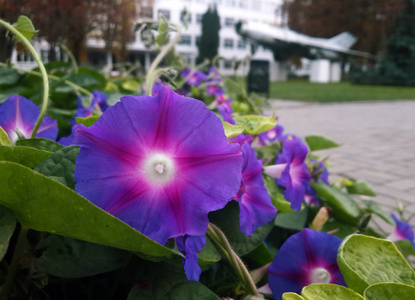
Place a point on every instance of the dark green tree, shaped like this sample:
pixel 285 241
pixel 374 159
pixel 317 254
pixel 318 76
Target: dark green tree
pixel 209 40
pixel 397 67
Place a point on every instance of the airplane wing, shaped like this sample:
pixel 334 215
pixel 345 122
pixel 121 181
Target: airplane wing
pixel 279 38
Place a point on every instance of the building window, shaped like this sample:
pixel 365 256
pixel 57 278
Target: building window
pixel 227 64
pixel 256 5
pixel 44 55
pixel 197 41
pixel 231 3
pixel 186 40
pixel 229 22
pixel 228 43
pixel 199 18
pixel 244 3
pixel 241 44
pixel 165 13
pixel 185 16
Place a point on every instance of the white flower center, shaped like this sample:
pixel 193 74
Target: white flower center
pixel 320 275
pixel 271 134
pixel 159 168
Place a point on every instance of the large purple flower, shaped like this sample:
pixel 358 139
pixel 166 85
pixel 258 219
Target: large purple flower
pixel 403 231
pixel 193 78
pixel 306 257
pixel 290 171
pixel 256 208
pixel 18 115
pixel 159 163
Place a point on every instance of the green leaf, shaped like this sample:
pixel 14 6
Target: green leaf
pixel 291 296
pixel 232 130
pixel 87 121
pixel 25 26
pixel 209 254
pixel 407 250
pixel 162 37
pixel 344 208
pixel 261 255
pixel 344 229
pixel 40 143
pixel 360 187
pixel 29 157
pixel 327 291
pixel 317 142
pixel 227 219
pixel 60 166
pixel 4 138
pixel 71 258
pixel 295 221
pixel 165 283
pixel 88 81
pixel 43 204
pixel 7 225
pixel 373 207
pixel 220 278
pixel 131 85
pixel 389 291
pixel 365 260
pixel 102 81
pixel 278 199
pixel 113 97
pixel 8 76
pixel 255 124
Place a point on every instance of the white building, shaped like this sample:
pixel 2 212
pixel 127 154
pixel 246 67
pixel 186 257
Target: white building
pixel 232 47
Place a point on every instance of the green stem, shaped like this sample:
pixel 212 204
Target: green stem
pixel 246 96
pixel 71 57
pixel 53 77
pixel 32 50
pixel 21 246
pixel 220 241
pixel 150 78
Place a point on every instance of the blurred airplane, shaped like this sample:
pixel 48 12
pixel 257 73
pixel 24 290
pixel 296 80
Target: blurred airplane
pixel 285 42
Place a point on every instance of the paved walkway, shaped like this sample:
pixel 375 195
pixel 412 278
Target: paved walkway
pixel 378 143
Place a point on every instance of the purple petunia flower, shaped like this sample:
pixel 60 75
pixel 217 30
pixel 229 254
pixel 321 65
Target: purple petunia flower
pixel 160 164
pixel 213 89
pixel 98 105
pixel 290 171
pixel 189 246
pixel 18 115
pixel 318 172
pixel 306 257
pixel 226 112
pixel 242 139
pixel 193 78
pixel 403 231
pixel 274 134
pixel 256 208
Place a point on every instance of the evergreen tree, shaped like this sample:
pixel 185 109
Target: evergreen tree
pixel 209 40
pixel 397 67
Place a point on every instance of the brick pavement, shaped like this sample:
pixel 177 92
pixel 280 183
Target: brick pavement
pixel 378 144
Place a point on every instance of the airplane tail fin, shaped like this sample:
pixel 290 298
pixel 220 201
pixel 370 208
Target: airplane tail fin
pixel 345 40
